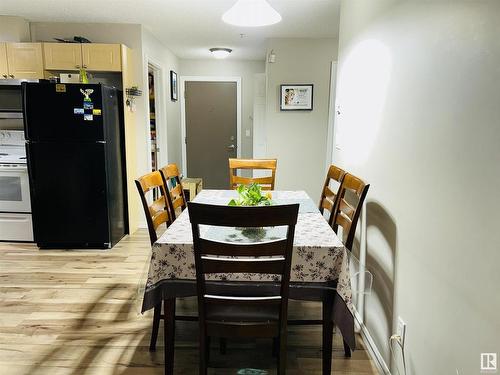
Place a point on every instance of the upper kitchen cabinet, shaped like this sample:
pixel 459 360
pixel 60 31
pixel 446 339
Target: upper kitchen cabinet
pixel 4 68
pixel 62 56
pixel 24 60
pixel 102 57
pixel 90 56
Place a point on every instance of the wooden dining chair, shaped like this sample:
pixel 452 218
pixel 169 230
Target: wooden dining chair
pixel 267 182
pixel 329 198
pixel 156 213
pixel 242 313
pixel 351 195
pixel 175 197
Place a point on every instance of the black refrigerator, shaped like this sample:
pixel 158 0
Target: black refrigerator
pixel 76 164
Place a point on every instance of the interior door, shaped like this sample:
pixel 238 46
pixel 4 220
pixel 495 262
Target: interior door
pixel 211 131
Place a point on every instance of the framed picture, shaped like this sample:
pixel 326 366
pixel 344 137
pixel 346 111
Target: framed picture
pixel 173 86
pixel 296 97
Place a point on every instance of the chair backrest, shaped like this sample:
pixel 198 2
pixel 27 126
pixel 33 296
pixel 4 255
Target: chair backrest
pixel 347 211
pixel 274 257
pixel 329 198
pixel 175 196
pixel 157 213
pixel 267 183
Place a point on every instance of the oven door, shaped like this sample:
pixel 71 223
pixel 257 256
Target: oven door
pixel 14 188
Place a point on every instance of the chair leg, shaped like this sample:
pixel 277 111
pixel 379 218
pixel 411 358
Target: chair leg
pixel 276 346
pixel 222 345
pixel 347 350
pixel 203 365
pixel 207 349
pixel 282 354
pixel 156 326
pixel 327 333
pixel 169 334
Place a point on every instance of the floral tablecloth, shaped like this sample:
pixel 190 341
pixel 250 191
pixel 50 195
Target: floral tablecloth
pixel 319 258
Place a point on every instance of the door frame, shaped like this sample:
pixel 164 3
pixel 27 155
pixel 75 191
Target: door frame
pixel 160 111
pixel 332 117
pixel 183 80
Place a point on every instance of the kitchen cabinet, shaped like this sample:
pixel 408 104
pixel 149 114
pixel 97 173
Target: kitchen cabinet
pixel 4 68
pixel 24 60
pixel 102 57
pixel 90 56
pixel 62 56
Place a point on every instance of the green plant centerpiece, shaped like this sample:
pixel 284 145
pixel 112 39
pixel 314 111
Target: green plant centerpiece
pixel 251 195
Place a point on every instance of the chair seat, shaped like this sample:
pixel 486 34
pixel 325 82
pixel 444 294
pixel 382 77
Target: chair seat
pixel 249 314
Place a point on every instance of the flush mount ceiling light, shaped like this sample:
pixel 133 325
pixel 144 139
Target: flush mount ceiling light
pixel 251 13
pixel 220 53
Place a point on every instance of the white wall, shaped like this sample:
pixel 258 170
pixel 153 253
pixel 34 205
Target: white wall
pixel 418 86
pixel 14 29
pixel 233 68
pixel 298 138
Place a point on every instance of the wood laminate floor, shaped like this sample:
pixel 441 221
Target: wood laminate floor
pixel 77 312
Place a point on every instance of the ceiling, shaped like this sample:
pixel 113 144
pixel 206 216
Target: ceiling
pixel 190 27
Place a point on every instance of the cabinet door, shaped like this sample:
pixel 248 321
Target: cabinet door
pixel 102 57
pixel 62 56
pixel 4 70
pixel 25 60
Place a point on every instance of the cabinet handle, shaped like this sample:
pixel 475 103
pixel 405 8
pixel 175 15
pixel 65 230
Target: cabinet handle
pixel 11 75
pixel 85 67
pixel 77 66
pixel 5 76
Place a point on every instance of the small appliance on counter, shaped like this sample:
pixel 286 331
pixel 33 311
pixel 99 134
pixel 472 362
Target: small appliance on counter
pixel 76 163
pixel 69 78
pixel 15 207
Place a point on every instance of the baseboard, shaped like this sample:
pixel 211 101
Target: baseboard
pixel 371 348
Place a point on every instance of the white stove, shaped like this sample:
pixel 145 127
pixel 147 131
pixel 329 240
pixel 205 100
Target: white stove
pixel 15 206
pixel 12 149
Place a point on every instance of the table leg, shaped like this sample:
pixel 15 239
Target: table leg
pixel 169 334
pixel 327 332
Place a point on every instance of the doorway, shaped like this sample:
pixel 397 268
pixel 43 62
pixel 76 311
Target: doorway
pixel 152 120
pixel 211 123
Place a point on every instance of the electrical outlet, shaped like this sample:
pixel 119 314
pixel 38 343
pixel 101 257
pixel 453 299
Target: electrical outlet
pixel 401 330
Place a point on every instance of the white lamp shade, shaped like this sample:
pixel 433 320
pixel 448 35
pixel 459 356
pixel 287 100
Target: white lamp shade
pixel 220 53
pixel 251 13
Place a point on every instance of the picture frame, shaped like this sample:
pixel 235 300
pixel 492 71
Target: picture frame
pixel 296 97
pixel 173 86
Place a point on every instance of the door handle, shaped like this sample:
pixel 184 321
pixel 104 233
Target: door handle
pixel 231 147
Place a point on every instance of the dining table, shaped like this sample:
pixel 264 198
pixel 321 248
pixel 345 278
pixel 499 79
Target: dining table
pixel 320 262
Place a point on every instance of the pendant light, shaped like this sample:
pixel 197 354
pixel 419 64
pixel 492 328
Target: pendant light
pixel 251 13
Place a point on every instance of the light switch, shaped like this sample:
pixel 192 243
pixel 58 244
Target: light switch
pixel 247 132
